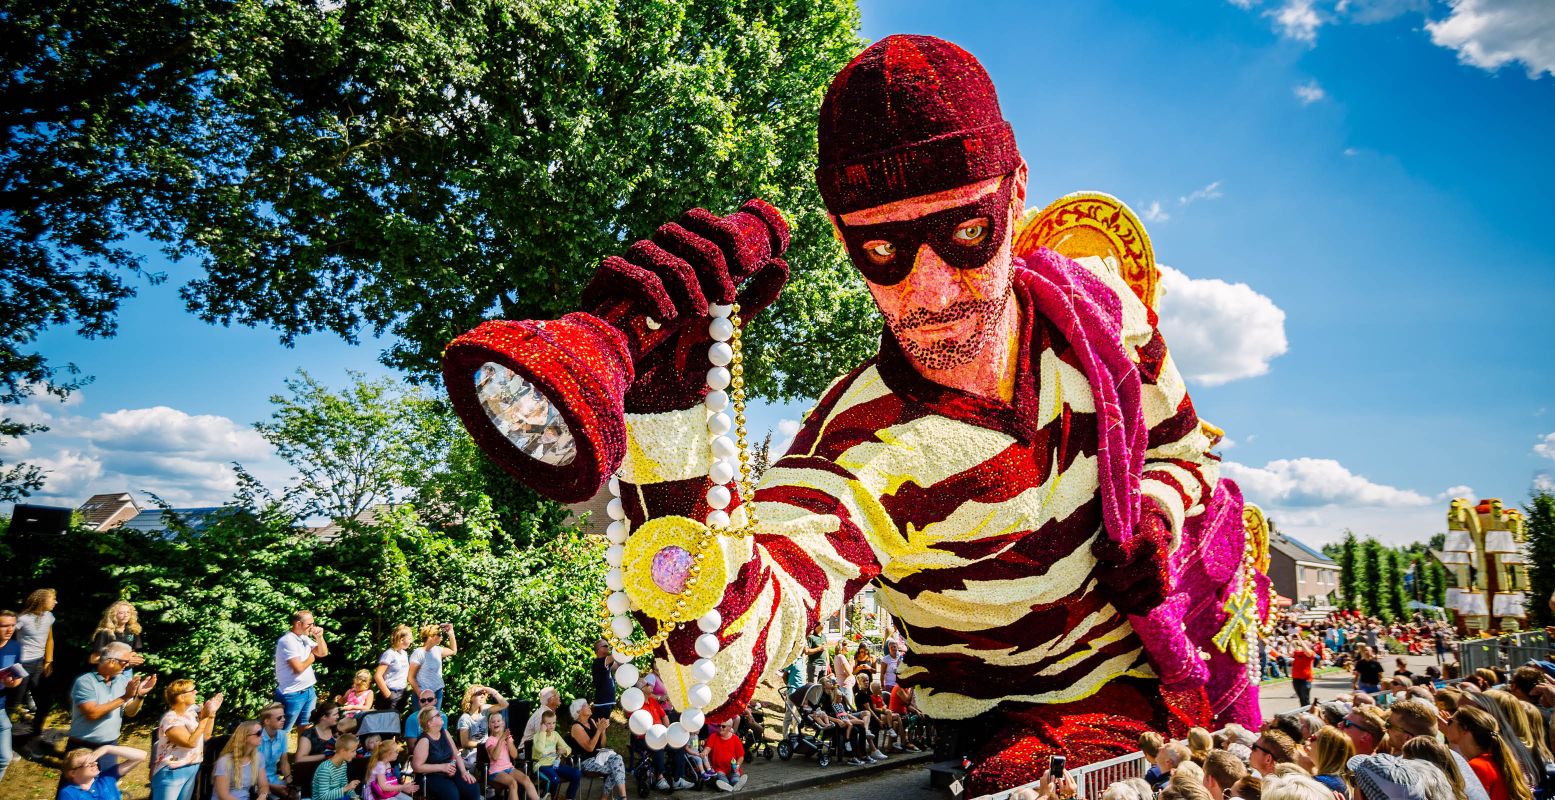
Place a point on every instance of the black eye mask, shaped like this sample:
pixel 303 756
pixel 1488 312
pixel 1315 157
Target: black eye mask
pixel 937 230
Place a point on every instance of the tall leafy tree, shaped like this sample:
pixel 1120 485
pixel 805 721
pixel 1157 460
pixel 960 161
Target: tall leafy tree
pixel 1540 513
pixel 1394 590
pixel 1370 581
pixel 408 169
pixel 1348 566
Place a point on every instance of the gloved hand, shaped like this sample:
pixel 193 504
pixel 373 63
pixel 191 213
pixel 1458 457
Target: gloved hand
pixel 1135 574
pixel 667 283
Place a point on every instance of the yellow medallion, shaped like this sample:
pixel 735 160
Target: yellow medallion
pixel 674 569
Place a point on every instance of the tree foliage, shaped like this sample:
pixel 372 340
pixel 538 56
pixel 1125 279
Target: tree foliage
pixel 1540 513
pixel 1393 589
pixel 1347 570
pixel 1369 580
pixel 409 169
pixel 215 592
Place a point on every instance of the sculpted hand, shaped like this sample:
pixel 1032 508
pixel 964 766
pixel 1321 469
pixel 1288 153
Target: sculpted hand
pixel 670 279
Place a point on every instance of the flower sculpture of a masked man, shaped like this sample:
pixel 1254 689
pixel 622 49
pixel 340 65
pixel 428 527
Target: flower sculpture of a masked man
pixel 1019 470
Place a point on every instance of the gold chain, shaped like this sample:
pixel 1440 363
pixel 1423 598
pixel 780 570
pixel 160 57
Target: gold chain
pixel 708 538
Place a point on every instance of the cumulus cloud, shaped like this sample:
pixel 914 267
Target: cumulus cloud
pixel 787 429
pixel 1542 482
pixel 184 458
pixel 1155 214
pixel 1490 34
pixel 1309 92
pixel 1545 446
pixel 1311 482
pixel 1454 492
pixel 1218 331
pixel 1298 20
pixel 1243 4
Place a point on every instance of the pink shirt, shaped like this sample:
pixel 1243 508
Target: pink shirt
pixel 497 753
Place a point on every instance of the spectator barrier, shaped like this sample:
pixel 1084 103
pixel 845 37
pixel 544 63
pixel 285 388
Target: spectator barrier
pixel 1512 651
pixel 1093 779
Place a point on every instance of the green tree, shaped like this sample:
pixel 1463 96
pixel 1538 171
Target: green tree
pixel 1438 596
pixel 1393 591
pixel 1540 513
pixel 405 169
pixel 1370 578
pixel 1348 566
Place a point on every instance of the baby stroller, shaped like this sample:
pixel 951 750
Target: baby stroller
pixel 806 738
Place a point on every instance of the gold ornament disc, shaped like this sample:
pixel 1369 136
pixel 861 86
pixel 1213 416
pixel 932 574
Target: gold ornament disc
pixel 704 585
pixel 1093 224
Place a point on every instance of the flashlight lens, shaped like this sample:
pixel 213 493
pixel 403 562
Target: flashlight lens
pixel 525 416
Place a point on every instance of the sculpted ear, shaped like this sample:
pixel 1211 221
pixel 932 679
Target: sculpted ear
pixel 1019 192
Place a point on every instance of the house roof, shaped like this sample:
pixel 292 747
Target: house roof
pixel 369 516
pixel 153 521
pixel 1298 551
pixel 99 509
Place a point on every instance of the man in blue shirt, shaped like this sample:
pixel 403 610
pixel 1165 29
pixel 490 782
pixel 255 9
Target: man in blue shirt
pixel 99 701
pixel 426 699
pixel 10 653
pixel 272 747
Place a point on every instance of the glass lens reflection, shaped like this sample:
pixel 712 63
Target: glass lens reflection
pixel 524 415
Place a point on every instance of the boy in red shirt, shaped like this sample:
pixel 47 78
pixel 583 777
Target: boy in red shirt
pixel 725 751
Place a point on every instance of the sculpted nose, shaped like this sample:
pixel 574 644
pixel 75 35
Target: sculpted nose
pixel 932 283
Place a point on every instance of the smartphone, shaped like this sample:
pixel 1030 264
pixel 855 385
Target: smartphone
pixel 1055 765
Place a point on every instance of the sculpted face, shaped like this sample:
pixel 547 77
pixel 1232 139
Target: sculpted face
pixel 939 266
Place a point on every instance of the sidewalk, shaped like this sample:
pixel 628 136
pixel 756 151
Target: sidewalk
pixel 771 777
pixel 1276 697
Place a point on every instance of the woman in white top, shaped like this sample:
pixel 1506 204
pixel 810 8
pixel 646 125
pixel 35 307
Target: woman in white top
pixel 393 671
pixel 35 633
pixel 238 771
pixel 180 745
pixel 426 662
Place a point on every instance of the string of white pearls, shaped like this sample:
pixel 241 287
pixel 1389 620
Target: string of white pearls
pixel 725 467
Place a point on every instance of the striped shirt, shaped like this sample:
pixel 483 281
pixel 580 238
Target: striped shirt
pixel 974 517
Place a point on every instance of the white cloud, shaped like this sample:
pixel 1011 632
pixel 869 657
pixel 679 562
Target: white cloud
pixel 1542 482
pixel 787 429
pixel 1312 482
pixel 1350 151
pixel 1309 93
pixel 1454 492
pixel 186 459
pixel 1545 446
pixel 69 473
pixel 1218 331
pixel 1490 34
pixel 1210 192
pixel 1297 20
pixel 1155 214
pixel 1243 4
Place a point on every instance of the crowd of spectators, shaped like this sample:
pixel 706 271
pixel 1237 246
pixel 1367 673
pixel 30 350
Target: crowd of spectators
pixel 1396 735
pixel 328 746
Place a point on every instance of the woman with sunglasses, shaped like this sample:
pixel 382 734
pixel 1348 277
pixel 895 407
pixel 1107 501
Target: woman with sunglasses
pixel 725 753
pixel 181 738
pixel 435 759
pixel 588 739
pixel 81 777
pixel 1476 736
pixel 239 772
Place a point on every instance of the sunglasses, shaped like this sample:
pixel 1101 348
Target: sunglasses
pixel 1266 751
pixel 425 700
pixel 966 237
pixel 1358 726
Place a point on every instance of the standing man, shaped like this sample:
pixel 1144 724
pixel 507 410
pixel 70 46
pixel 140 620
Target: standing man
pixel 10 653
pixel 815 653
pixel 99 701
pixel 295 653
pixel 888 665
pixel 603 668
pixel 1301 672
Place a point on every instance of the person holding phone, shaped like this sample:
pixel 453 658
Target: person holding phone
pixel 426 662
pixel 295 653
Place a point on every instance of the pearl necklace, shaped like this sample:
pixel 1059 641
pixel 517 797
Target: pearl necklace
pixel 686 564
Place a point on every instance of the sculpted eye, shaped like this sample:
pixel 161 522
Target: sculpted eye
pixel 880 252
pixel 972 232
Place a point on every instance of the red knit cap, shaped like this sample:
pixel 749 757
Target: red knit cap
pixel 910 115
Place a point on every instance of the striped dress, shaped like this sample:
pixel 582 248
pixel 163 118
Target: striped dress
pixel 975 519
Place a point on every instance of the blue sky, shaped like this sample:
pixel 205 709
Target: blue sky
pixel 1352 197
